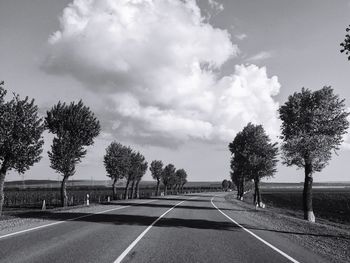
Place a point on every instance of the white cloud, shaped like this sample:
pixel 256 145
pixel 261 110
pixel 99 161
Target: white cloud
pixel 216 5
pixel 154 65
pixel 241 36
pixel 260 56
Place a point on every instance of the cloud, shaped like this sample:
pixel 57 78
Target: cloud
pixel 154 65
pixel 260 56
pixel 216 5
pixel 241 36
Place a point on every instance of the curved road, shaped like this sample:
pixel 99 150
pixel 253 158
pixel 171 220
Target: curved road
pixel 192 228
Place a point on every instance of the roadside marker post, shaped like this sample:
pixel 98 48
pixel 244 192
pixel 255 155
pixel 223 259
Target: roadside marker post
pixel 87 200
pixel 43 207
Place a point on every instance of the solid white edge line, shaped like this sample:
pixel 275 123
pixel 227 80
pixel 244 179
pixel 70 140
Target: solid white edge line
pixel 254 235
pixel 72 219
pixel 133 244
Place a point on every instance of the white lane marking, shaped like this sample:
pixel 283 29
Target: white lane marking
pixel 72 219
pixel 254 235
pixel 133 244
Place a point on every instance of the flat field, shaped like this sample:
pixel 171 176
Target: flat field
pixel 329 203
pixel 31 194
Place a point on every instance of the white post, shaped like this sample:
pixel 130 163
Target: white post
pixel 108 199
pixel 87 200
pixel 43 207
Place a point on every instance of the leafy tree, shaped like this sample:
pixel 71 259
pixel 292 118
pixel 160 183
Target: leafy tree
pixel 345 45
pixel 181 177
pixel 184 181
pixel 117 163
pixel 230 184
pixel 157 170
pixel 167 176
pixel 21 138
pixel 75 127
pixel 142 171
pixel 224 185
pixel 254 156
pixel 313 125
pixel 137 159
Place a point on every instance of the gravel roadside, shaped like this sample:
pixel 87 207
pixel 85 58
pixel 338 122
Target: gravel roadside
pixel 328 239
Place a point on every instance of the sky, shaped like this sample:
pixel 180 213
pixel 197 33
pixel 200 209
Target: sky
pixel 175 80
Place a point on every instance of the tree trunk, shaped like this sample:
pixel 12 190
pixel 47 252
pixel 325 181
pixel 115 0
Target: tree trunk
pixel 307 194
pixel 126 192
pixel 239 190
pixel 64 197
pixel 255 195
pixel 257 192
pixel 114 187
pixel 242 190
pixel 158 187
pixel 165 189
pixel 137 189
pixel 2 186
pixel 132 189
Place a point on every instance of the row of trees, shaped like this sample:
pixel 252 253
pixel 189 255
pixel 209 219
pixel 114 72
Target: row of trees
pixel 74 127
pixel 313 125
pixel 21 137
pixel 121 162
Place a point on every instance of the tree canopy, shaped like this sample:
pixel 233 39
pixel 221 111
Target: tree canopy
pixel 21 138
pixel 75 127
pixel 345 45
pixel 117 160
pixel 313 125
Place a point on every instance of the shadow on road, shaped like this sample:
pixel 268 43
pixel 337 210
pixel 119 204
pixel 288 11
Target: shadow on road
pixel 171 205
pixel 142 220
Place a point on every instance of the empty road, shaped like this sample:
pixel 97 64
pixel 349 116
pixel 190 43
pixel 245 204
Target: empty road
pixel 192 228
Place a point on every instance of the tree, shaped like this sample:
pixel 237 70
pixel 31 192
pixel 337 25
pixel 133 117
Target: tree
pixel 75 127
pixel 181 177
pixel 117 163
pixel 313 125
pixel 21 138
pixel 167 176
pixel 230 184
pixel 253 156
pixel 224 185
pixel 142 171
pixel 182 184
pixel 156 171
pixel 237 176
pixel 345 45
pixel 136 161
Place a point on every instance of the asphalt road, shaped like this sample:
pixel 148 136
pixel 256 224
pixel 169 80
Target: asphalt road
pixel 175 229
